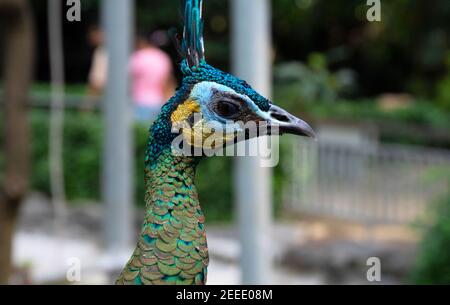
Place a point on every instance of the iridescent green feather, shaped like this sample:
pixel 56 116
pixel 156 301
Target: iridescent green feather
pixel 172 247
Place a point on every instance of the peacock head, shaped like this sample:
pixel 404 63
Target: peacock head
pixel 213 109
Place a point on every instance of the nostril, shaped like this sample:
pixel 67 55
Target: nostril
pixel 280 117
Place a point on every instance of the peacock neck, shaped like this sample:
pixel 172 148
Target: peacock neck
pixel 169 176
pixel 170 187
pixel 172 245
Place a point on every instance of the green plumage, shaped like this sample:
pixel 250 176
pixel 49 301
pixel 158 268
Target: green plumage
pixel 172 245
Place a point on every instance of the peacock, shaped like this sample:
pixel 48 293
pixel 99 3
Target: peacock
pixel 172 247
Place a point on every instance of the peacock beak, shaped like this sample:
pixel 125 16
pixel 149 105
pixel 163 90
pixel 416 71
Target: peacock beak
pixel 288 123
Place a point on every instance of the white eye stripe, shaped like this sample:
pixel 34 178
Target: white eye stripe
pixel 203 93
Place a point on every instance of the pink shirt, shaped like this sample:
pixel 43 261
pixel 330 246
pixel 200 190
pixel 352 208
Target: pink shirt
pixel 150 70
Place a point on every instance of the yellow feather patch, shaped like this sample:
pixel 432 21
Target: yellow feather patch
pixel 198 134
pixel 184 110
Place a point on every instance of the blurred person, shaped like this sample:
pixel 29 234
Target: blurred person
pixel 152 80
pixel 99 65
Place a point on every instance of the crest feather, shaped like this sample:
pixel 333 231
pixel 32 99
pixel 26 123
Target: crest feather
pixel 192 45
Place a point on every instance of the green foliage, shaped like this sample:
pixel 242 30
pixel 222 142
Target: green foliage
pixel 443 88
pixel 82 152
pixel 443 91
pixel 82 164
pixel 307 92
pixel 311 83
pixel 422 113
pixel 386 57
pixel 433 264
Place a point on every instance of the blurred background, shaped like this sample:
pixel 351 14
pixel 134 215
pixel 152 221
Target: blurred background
pixel 376 184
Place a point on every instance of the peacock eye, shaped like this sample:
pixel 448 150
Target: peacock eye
pixel 227 109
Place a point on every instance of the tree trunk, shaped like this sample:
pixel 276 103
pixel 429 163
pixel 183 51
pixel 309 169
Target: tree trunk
pixel 8 217
pixel 16 22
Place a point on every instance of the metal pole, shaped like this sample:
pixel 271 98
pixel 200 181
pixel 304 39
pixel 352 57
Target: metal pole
pixel 118 165
pixel 56 130
pixel 251 61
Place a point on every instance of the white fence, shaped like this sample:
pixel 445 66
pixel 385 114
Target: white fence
pixel 351 177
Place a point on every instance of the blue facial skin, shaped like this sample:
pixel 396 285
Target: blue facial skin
pixel 161 131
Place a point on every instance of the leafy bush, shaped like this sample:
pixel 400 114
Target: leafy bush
pixel 82 165
pixel 433 264
pixel 312 82
pixel 82 152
